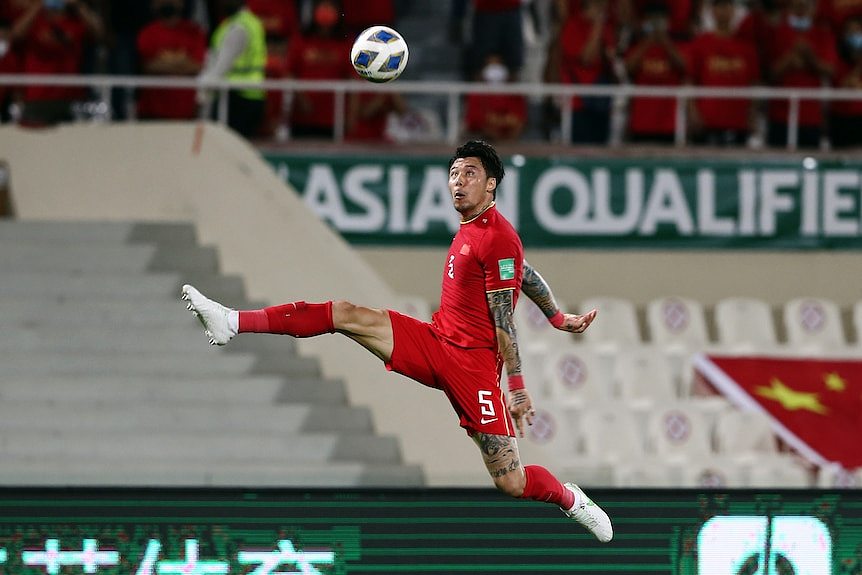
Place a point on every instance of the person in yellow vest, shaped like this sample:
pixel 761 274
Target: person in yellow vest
pixel 238 54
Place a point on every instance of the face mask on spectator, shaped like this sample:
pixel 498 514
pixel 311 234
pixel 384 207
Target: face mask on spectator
pixel 800 23
pixel 854 41
pixel 495 73
pixel 325 16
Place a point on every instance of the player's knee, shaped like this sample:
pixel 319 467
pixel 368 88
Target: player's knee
pixel 511 484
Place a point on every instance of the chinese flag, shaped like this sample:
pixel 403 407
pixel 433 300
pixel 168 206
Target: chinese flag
pixel 814 405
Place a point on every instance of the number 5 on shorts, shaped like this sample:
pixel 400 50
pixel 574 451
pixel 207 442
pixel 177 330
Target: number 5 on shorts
pixel 485 404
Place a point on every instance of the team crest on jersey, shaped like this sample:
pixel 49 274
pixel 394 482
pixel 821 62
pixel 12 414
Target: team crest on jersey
pixel 465 250
pixel 507 268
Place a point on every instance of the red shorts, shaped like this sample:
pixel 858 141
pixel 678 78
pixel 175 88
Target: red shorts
pixel 470 378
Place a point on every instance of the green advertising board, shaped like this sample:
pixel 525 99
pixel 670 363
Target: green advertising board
pixel 116 531
pixel 593 203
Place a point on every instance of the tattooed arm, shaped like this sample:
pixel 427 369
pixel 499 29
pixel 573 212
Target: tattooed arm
pixel 501 304
pixel 537 289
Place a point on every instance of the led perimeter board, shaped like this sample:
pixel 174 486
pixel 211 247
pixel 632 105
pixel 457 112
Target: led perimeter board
pixel 457 531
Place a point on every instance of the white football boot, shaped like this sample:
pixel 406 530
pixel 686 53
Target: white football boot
pixel 213 315
pixel 590 515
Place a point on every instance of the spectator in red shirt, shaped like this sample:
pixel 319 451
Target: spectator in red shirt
pixel 368 114
pixel 359 15
pixel 803 56
pixel 279 17
pixel 496 117
pixel 655 60
pixel 586 50
pixel 720 59
pixel 170 46
pixel 846 121
pixel 322 54
pixel 53 33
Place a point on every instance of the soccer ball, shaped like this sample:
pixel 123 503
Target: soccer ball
pixel 379 54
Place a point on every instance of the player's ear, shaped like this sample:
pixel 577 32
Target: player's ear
pixel 491 184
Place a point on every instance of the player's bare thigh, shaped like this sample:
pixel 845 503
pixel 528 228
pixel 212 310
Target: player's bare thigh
pixel 371 328
pixel 503 462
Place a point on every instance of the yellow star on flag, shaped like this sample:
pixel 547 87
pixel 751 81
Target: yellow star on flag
pixel 834 381
pixel 789 398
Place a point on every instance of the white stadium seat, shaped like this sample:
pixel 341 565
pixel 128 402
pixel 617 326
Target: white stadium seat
pixel 616 324
pixel 857 322
pixel 813 323
pixel 648 473
pixel 554 429
pixel 778 471
pixel 534 329
pixel 679 431
pixel 644 375
pixel 677 321
pixel 745 324
pixel 739 432
pixel 576 376
pixel 836 477
pixel 713 472
pixel 610 433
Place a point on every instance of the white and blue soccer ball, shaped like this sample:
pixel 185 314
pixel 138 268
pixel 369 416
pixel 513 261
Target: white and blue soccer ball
pixel 379 54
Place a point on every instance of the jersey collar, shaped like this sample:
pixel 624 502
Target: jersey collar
pixel 488 207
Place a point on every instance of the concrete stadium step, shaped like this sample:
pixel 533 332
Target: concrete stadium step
pixel 168 445
pixel 116 338
pixel 46 231
pixel 124 285
pixel 156 414
pixel 39 312
pixel 58 471
pixel 241 389
pixel 163 233
pixel 122 446
pixel 102 257
pixel 108 390
pixel 148 417
pixel 208 363
pixel 107 284
pixel 49 231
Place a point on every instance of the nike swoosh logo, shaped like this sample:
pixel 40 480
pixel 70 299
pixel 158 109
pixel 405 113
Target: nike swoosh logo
pixel 484 421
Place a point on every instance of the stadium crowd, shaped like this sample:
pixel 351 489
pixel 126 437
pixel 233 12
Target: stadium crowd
pixel 717 43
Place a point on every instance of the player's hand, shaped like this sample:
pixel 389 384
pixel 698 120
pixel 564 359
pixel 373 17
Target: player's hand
pixel 577 323
pixel 521 409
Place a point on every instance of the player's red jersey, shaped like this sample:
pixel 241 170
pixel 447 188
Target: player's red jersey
pixel 486 255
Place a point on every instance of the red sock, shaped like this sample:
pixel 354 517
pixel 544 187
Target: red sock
pixel 541 485
pixel 298 319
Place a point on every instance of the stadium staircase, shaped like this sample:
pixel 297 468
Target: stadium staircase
pixel 106 379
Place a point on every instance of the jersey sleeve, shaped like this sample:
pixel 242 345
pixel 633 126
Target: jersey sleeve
pixel 502 259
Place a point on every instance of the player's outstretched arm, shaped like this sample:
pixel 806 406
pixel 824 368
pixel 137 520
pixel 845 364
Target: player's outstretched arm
pixel 537 289
pixel 501 304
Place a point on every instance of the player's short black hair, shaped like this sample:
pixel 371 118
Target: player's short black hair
pixel 486 154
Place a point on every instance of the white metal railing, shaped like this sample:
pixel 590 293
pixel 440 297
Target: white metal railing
pixel 453 91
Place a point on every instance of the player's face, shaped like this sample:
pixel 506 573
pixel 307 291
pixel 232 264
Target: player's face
pixel 471 188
